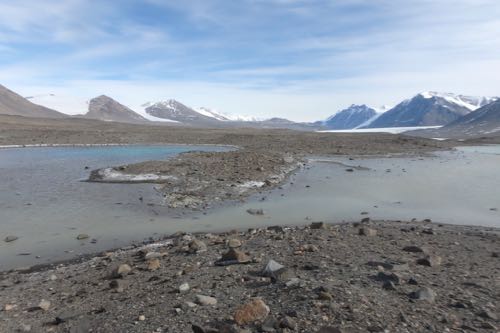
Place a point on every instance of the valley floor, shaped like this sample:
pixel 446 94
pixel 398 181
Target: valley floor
pixel 374 276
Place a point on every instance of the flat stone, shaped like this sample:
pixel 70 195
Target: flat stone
pixel 234 243
pixel 205 300
pixel 255 310
pixel 254 211
pixel 10 238
pixel 153 255
pixel 82 236
pixel 233 257
pixel 413 248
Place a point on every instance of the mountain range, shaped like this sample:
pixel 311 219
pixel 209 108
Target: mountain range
pixel 429 109
pixel 424 109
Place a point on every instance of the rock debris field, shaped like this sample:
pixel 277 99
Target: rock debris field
pixel 373 276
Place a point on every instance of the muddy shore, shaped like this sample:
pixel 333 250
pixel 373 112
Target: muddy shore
pixel 361 277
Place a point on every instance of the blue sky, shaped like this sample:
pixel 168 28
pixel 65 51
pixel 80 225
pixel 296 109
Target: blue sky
pixel 299 59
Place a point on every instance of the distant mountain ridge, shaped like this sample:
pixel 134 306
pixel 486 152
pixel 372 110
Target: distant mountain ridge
pixel 350 118
pixel 456 112
pixel 429 109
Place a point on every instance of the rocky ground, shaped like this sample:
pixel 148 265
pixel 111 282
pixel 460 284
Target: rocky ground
pixel 359 277
pixel 199 179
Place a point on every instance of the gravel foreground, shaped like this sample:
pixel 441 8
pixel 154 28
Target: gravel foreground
pixel 372 276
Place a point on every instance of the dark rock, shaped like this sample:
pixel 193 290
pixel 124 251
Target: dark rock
pixel 254 211
pixel 318 225
pixel 10 238
pixel 413 248
pixel 430 261
pixel 365 231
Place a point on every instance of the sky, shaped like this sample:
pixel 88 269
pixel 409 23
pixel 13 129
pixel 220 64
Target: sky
pixel 298 59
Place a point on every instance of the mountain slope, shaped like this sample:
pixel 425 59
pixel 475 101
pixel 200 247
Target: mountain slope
pixel 429 109
pixel 485 121
pixel 107 109
pixel 14 104
pixel 350 118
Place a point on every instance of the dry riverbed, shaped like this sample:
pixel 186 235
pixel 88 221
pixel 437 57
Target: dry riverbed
pixel 361 277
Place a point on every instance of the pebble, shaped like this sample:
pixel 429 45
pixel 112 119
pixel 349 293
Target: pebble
pixel 184 287
pixel 424 294
pixel 142 318
pixel 234 243
pixel 154 264
pixel 205 300
pixel 120 271
pixel 197 246
pixel 44 305
pixel 82 236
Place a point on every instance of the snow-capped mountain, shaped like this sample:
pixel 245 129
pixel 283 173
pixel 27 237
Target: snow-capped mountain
pixel 350 118
pixel 174 110
pixel 429 109
pixel 484 121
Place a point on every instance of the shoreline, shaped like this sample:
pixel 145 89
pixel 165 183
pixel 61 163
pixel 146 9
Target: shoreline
pixel 355 276
pixel 48 145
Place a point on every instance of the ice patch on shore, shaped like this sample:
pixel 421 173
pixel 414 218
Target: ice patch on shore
pixel 252 183
pixel 111 175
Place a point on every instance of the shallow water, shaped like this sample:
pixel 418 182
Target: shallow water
pixel 44 202
pixel 47 209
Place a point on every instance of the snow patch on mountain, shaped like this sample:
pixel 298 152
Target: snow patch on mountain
pixel 222 116
pixel 141 109
pixel 470 102
pixel 70 105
